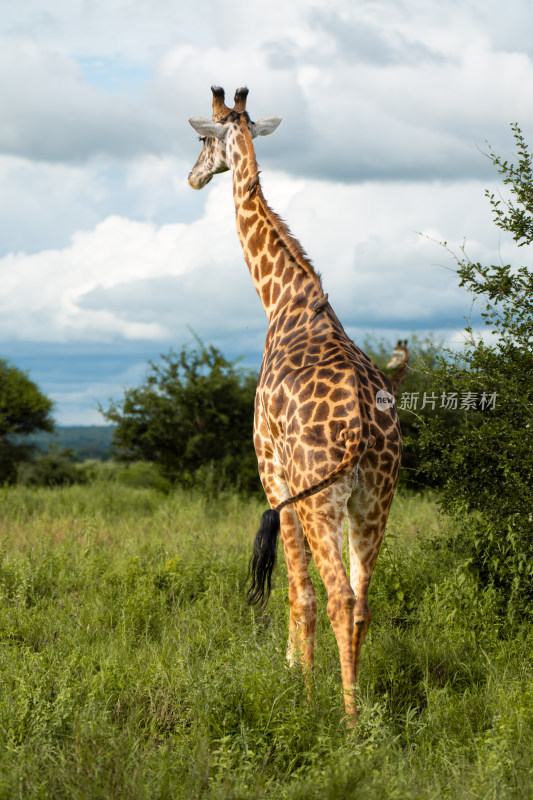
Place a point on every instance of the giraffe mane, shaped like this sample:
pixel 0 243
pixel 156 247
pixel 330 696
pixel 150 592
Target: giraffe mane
pixel 291 242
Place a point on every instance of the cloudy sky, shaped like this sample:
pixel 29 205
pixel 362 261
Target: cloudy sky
pixel 108 258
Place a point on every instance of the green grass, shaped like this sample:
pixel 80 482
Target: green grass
pixel 130 666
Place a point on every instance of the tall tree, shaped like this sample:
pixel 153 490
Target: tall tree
pixel 192 417
pixel 486 466
pixel 24 409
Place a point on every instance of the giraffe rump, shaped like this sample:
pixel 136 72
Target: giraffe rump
pixel 263 559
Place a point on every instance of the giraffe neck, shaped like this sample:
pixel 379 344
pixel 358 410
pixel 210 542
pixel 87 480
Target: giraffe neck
pixel 278 265
pixel 398 378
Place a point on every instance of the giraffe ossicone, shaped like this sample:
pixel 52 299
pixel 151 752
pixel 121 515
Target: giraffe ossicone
pixel 324 447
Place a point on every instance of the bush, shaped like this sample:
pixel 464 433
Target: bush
pixel 138 475
pixel 55 468
pixel 193 418
pixel 486 466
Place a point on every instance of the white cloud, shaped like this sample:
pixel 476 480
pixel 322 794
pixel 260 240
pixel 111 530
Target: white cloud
pixel 50 289
pixel 43 204
pixel 133 29
pixel 385 104
pixel 409 98
pixel 137 280
pixel 40 204
pixel 49 113
pixel 416 106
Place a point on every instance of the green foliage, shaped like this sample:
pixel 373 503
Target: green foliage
pixel 131 666
pixel 55 468
pixel 487 465
pixel 23 410
pixel 193 418
pixel 515 216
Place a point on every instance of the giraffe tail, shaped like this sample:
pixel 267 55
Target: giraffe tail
pixel 263 559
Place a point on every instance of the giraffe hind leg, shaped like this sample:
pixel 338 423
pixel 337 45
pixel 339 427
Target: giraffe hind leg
pixel 302 596
pixel 367 512
pixel 322 518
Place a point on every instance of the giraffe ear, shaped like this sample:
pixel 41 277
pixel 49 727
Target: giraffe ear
pixel 265 126
pixel 206 127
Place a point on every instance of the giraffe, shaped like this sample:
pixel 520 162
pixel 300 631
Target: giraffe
pixel 398 361
pixel 326 431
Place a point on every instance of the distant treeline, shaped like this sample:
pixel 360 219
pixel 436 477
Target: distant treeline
pixel 85 441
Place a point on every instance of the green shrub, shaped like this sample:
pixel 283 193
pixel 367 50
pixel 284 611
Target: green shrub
pixel 486 466
pixel 193 417
pixel 55 468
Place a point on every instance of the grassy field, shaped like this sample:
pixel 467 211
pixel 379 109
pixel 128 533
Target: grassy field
pixel 130 666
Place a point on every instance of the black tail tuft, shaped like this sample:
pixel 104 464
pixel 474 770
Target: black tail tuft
pixel 263 559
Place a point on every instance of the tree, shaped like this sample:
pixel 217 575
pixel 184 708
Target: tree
pixel 193 418
pixel 23 410
pixel 486 467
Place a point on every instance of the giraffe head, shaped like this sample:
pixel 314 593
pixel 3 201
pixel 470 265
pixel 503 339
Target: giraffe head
pixel 218 135
pixel 400 355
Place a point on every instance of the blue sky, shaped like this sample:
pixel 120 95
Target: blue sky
pixel 108 258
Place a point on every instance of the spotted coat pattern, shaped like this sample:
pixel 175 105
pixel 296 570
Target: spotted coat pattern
pixel 324 446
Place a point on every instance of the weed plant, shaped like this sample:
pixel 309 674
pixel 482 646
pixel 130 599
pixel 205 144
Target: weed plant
pixel 130 666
